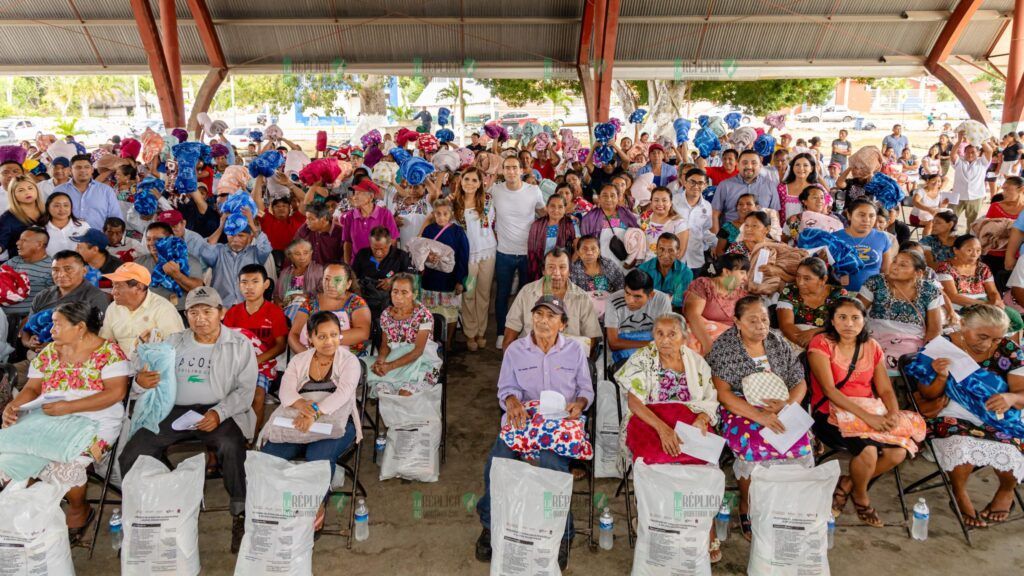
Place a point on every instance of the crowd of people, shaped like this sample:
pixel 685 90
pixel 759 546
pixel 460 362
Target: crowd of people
pixel 716 281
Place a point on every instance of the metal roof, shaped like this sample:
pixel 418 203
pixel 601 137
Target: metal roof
pixel 511 38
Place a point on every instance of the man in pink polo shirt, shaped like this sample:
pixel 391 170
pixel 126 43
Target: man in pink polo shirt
pixel 364 216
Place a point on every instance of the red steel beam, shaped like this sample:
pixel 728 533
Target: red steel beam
pixel 207 33
pixel 157 64
pixel 1013 100
pixel 953 30
pixel 606 61
pixel 583 59
pixel 172 51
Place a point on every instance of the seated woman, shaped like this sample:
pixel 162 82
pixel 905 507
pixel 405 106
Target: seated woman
pixel 755 231
pixel 977 422
pixel 730 231
pixel 319 385
pixel 747 355
pixel 594 273
pixel 667 382
pixel 710 302
pixel 553 229
pixel 335 296
pixel 91 373
pixel 967 280
pixel 442 291
pixel 849 382
pixel 607 220
pixel 407 361
pixel 814 214
pixel 299 280
pixel 904 310
pixel 803 305
pixel 938 246
pixel 662 218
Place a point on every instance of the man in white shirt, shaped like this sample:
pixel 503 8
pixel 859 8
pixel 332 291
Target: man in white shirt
pixel 60 172
pixel 969 190
pixel 697 212
pixel 516 205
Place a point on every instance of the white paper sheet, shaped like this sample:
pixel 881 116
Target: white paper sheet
pixel 316 427
pixel 187 421
pixel 552 405
pixel 796 421
pixel 962 365
pixel 41 401
pixel 708 448
pixel 762 259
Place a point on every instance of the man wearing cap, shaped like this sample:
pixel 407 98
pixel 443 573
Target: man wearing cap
pixel 544 361
pixel 158 231
pixel 215 369
pixel 322 233
pixel 249 246
pixel 91 201
pixel 364 216
pixel 136 311
pixel 60 173
pixel 582 319
pixel 663 173
pixel 92 246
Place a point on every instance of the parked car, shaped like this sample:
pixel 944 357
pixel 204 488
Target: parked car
pixel 833 113
pixel 725 110
pixel 239 136
pixel 139 127
pixel 94 132
pixel 949 111
pixel 22 128
pixel 7 137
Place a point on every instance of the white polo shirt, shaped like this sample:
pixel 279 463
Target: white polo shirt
pixel 698 219
pixel 969 180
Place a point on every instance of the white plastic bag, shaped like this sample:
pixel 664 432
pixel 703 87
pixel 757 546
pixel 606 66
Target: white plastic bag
pixel 529 509
pixel 281 503
pixel 789 511
pixel 607 449
pixel 676 505
pixel 414 435
pixel 161 517
pixel 33 533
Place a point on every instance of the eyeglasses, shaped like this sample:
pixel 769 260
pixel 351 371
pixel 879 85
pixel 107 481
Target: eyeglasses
pixel 696 182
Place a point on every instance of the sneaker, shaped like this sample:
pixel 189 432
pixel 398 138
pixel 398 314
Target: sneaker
pixel 563 554
pixel 483 546
pixel 237 531
pixel 501 340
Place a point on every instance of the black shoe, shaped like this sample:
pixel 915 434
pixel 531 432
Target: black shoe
pixel 563 554
pixel 483 546
pixel 237 531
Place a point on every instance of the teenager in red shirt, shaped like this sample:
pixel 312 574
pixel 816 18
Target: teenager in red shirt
pixel 280 224
pixel 727 170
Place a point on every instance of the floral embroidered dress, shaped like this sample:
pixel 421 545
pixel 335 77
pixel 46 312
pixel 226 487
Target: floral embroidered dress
pixel 401 337
pixel 653 230
pixel 939 251
pixel 804 316
pixel 897 324
pixel 353 303
pixel 77 381
pixel 972 285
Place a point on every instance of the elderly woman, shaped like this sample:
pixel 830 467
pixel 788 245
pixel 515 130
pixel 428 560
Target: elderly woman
pixel 977 422
pixel 756 226
pixel 904 310
pixel 803 305
pixel 544 361
pixel 299 281
pixel 750 356
pixel 336 296
pixel 595 274
pixel 967 280
pixel 318 386
pixel 553 229
pixel 90 374
pixel 442 291
pixel 407 361
pixel 709 304
pixel 849 382
pixel 607 220
pixel 667 382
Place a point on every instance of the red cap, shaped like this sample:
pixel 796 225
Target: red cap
pixel 367 185
pixel 654 147
pixel 170 217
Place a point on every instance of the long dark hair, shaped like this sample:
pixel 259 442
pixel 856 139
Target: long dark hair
pixel 46 213
pixel 78 312
pixel 812 178
pixel 830 331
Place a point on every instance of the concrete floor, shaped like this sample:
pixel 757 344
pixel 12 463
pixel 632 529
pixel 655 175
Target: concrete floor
pixel 441 539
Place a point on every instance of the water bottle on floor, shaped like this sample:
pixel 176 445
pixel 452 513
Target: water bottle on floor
pixel 380 444
pixel 607 537
pixel 722 522
pixel 831 531
pixel 116 536
pixel 362 521
pixel 919 527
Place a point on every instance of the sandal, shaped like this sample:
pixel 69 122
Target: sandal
pixel 75 534
pixel 972 521
pixel 986 514
pixel 715 551
pixel 745 526
pixel 839 499
pixel 868 515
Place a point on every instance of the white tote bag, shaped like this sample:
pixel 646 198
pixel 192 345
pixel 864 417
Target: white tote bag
pixel 529 508
pixel 676 505
pixel 414 435
pixel 789 511
pixel 281 503
pixel 161 517
pixel 33 533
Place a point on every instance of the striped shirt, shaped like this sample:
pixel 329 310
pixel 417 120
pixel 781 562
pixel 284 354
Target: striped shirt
pixel 39 279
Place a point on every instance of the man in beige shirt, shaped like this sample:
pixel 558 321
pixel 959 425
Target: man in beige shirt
pixel 136 310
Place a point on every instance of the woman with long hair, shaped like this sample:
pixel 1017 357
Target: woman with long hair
pixel 801 174
pixel 472 209
pixel 61 224
pixel 25 209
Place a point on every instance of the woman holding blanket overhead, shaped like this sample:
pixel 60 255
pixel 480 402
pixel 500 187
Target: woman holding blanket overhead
pixel 667 383
pixel 757 374
pixel 91 374
pixel 855 407
pixel 977 422
pixel 407 361
pixel 544 361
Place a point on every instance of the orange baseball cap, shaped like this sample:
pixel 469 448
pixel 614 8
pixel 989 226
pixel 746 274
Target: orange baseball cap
pixel 130 271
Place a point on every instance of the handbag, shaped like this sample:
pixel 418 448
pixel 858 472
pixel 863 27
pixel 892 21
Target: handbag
pixel 282 435
pixel 616 245
pixel 839 386
pixel 761 386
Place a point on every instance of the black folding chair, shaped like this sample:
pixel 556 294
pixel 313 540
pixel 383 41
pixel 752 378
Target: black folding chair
pixel 927 483
pixel 588 466
pixel 441 337
pixel 104 480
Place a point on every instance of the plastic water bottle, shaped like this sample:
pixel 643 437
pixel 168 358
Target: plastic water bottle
pixel 831 531
pixel 379 445
pixel 919 528
pixel 116 536
pixel 607 537
pixel 722 522
pixel 362 521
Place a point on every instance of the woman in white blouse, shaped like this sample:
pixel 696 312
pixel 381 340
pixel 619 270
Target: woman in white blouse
pixel 474 212
pixel 61 224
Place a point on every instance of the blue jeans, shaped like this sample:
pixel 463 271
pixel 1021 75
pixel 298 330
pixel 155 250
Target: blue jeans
pixel 546 459
pixel 505 268
pixel 327 449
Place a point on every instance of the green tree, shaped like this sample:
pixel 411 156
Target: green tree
pixel 764 96
pixel 997 85
pixel 519 92
pixel 412 87
pixel 451 92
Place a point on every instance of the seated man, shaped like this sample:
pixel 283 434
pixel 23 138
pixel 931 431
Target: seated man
pixel 629 318
pixel 582 321
pixel 92 246
pixel 136 310
pixel 376 266
pixel 186 282
pixel 216 374
pixel 124 247
pixel 544 360
pixel 33 261
pixel 671 276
